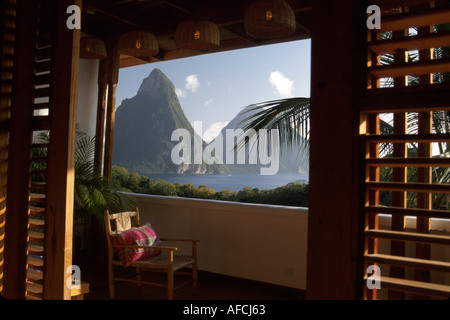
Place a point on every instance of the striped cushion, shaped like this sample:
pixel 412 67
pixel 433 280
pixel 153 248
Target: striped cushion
pixel 141 236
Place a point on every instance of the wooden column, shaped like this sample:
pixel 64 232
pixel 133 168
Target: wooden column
pixel 372 122
pixel 19 164
pixel 61 154
pixel 424 175
pixel 339 55
pixel 113 78
pixel 5 105
pixel 101 110
pixel 399 198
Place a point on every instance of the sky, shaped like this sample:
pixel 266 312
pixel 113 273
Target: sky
pixel 213 88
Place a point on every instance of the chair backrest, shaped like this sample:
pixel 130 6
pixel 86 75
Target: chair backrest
pixel 121 220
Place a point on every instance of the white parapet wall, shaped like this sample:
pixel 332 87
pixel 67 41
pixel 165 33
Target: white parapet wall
pixel 258 242
pixel 437 252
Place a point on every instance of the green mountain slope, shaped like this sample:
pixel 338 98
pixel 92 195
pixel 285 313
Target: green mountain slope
pixel 143 128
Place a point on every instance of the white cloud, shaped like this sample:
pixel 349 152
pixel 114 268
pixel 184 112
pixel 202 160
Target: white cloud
pixel 180 93
pixel 192 83
pixel 208 102
pixel 213 130
pixel 283 85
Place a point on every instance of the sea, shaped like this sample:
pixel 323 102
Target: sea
pixel 234 182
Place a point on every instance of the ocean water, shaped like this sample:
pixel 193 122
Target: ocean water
pixel 233 182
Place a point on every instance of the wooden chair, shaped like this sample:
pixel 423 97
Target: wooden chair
pixel 166 261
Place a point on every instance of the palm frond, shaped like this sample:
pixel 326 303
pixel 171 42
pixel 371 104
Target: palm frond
pixel 290 117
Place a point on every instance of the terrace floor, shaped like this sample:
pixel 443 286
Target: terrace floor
pixel 211 286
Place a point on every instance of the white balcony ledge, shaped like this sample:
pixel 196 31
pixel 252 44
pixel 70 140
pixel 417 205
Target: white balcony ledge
pixel 264 243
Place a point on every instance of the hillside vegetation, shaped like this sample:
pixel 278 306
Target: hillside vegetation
pixel 292 194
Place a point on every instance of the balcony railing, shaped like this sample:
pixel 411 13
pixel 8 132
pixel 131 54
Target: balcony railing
pixel 257 242
pixel 264 243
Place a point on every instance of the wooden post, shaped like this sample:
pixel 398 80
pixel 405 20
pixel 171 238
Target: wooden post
pixel 339 54
pixel 5 105
pixel 424 175
pixel 101 107
pixel 113 78
pixel 61 155
pixel 399 198
pixel 19 164
pixel 372 173
pixel 170 279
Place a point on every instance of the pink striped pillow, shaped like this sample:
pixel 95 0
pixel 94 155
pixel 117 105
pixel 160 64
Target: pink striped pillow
pixel 140 236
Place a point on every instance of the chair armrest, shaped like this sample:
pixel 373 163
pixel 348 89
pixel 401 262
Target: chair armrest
pixel 145 247
pixel 192 241
pixel 179 240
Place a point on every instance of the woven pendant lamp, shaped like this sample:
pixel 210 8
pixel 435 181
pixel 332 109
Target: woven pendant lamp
pixel 197 35
pixel 269 19
pixel 138 44
pixel 92 48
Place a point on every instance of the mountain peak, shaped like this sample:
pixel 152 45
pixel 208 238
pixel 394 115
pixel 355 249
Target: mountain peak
pixel 156 84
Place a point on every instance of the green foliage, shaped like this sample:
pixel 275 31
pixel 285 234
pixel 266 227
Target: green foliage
pixel 293 194
pixel 92 194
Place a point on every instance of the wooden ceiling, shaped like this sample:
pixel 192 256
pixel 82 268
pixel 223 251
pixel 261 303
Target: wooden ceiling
pixel 108 19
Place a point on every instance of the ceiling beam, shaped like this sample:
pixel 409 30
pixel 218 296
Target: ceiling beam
pixel 177 6
pixel 111 11
pixel 240 35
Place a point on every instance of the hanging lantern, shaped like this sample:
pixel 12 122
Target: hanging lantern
pixel 198 35
pixel 138 44
pixel 269 19
pixel 92 48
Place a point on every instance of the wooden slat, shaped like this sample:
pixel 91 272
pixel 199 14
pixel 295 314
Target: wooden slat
pixel 39 172
pixel 39 145
pixel 410 187
pixel 34 288
pixel 37 211
pixel 41 123
pixel 420 42
pixel 430 289
pixel 443 214
pixel 35 276
pixel 409 262
pixel 408 236
pixel 41 92
pixel 32 296
pixel 41 79
pixel 43 66
pixel 38 185
pixel 410 68
pixel 41 106
pixel 39 159
pixel 37 196
pixel 36 235
pixel 44 41
pixel 44 53
pixel 410 20
pixel 413 98
pixel 19 160
pixel 35 248
pixel 79 289
pixel 392 138
pixel 36 222
pixel 409 162
pixel 35 262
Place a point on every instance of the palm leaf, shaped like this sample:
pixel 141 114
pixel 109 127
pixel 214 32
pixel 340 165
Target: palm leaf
pixel 289 117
